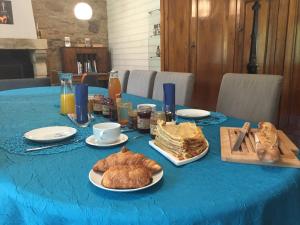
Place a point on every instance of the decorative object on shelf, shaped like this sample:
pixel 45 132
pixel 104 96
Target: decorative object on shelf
pixel 83 11
pixel 156 29
pixel 67 42
pixel 252 65
pixel 87 42
pixel 38 31
pixel 157 51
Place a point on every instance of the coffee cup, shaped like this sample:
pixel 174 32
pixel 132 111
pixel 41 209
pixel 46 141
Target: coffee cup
pixel 107 132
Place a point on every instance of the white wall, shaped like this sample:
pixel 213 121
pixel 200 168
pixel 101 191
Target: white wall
pixel 24 26
pixel 128 32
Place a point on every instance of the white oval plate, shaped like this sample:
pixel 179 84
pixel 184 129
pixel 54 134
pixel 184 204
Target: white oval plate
pixel 192 113
pixel 91 140
pixel 175 160
pixel 50 134
pixel 96 179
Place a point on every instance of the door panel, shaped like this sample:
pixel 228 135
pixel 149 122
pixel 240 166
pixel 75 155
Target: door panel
pixel 176 26
pixel 215 49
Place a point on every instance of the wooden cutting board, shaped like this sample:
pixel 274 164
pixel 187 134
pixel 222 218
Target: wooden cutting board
pixel 247 153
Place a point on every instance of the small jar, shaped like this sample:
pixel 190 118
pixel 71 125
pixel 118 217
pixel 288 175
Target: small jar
pixel 113 112
pixel 132 119
pixel 143 119
pixel 97 104
pixel 155 116
pixel 106 107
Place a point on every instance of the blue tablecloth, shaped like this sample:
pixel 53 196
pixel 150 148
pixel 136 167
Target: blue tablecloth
pixel 55 189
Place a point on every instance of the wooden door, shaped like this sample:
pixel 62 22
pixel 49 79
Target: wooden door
pixel 178 37
pixel 272 20
pixel 215 49
pixel 290 103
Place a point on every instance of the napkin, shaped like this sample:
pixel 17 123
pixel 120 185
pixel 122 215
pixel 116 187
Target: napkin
pixel 169 98
pixel 81 101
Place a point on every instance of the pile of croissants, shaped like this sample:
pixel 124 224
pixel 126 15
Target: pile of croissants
pixel 126 170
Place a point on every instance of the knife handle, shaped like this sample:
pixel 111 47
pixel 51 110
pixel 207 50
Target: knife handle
pixel 246 127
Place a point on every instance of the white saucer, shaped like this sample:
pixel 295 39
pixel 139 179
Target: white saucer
pixel 91 140
pixel 50 134
pixel 192 113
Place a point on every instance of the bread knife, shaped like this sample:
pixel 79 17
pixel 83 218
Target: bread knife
pixel 244 130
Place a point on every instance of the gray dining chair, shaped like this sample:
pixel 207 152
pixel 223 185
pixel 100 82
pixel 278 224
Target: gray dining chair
pixel 251 97
pixel 140 83
pixel 184 85
pixel 8 84
pixel 123 76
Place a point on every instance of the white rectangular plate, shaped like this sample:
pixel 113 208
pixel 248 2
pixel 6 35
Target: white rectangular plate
pixel 173 159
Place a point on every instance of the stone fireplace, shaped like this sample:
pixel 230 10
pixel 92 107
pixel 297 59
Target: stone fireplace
pixel 35 49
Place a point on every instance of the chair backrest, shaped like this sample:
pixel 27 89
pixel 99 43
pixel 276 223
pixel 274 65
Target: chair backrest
pixel 8 84
pixel 184 84
pixel 252 97
pixel 123 76
pixel 140 83
pixel 91 80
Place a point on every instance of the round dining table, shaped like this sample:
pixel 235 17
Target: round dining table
pixel 51 186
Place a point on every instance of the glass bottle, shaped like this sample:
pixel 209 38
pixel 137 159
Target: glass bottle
pixel 67 98
pixel 114 86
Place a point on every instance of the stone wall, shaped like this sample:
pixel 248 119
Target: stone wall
pixel 56 20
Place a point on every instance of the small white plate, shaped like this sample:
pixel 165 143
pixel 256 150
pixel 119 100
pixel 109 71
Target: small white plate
pixel 175 160
pixel 91 140
pixel 96 179
pixel 192 113
pixel 50 134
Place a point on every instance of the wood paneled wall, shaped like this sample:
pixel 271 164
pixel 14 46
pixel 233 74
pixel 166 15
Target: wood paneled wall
pixel 212 37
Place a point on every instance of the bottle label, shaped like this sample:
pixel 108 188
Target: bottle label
pixel 105 110
pixel 143 123
pixel 97 107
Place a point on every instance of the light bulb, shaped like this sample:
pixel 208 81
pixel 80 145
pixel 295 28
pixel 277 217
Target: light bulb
pixel 83 11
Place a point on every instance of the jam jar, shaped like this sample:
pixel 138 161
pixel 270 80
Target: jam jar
pixel 132 119
pixel 107 102
pixel 155 116
pixel 143 119
pixel 97 104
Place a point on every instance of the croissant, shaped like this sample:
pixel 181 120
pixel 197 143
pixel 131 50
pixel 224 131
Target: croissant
pixel 127 158
pixel 122 177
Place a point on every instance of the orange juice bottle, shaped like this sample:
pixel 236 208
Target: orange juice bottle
pixel 67 98
pixel 114 86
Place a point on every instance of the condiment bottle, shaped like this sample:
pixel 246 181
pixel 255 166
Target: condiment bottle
pixel 97 104
pixel 114 86
pixel 113 111
pixel 132 119
pixel 143 119
pixel 67 98
pixel 155 116
pixel 106 107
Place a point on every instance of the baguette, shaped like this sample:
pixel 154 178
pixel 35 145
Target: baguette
pixel 267 143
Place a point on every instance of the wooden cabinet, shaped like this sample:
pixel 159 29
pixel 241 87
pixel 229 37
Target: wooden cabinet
pixel 78 60
pixel 71 56
pixel 212 37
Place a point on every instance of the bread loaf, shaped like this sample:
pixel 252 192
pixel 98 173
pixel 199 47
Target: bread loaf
pixel 267 143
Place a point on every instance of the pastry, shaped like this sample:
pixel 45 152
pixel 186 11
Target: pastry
pixel 126 177
pixel 184 140
pixel 126 158
pixel 267 142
